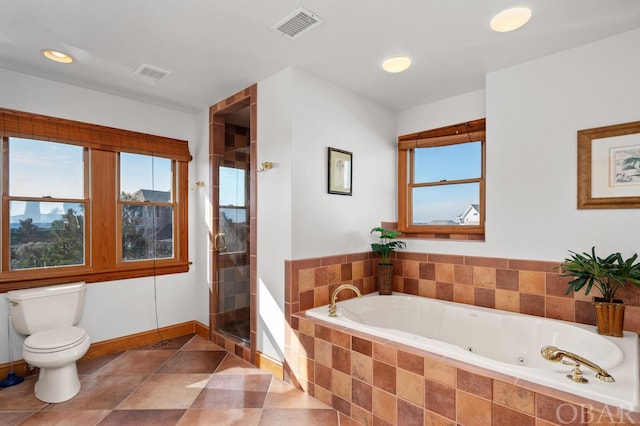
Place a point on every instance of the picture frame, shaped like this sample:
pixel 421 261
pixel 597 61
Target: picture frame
pixel 339 172
pixel 609 167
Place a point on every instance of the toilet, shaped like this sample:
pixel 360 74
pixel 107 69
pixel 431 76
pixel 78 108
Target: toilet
pixel 48 316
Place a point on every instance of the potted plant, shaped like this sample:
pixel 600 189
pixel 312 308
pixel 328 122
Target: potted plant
pixel 608 274
pixel 384 249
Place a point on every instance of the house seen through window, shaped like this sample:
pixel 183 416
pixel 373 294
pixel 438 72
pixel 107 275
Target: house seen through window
pixel 441 182
pixel 146 198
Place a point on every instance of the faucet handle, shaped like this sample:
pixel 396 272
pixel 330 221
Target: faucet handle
pixel 332 310
pixel 576 374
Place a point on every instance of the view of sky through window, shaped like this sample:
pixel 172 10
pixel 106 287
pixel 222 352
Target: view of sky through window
pixel 57 168
pixel 232 187
pixel 444 204
pixel 144 172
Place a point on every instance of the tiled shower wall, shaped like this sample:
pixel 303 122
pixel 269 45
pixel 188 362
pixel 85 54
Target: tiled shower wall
pixel 239 146
pixel 383 383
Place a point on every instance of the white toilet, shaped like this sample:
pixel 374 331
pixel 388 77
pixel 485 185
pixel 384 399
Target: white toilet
pixel 47 315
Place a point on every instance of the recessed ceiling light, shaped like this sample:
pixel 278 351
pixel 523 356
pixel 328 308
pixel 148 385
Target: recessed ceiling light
pixel 57 56
pixel 510 19
pixel 396 64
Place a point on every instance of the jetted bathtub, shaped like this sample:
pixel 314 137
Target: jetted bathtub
pixel 501 341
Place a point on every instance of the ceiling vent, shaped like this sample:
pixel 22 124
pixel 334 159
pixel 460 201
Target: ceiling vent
pixel 297 23
pixel 151 72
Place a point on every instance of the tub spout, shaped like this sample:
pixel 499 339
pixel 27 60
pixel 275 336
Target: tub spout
pixel 334 295
pixel 553 354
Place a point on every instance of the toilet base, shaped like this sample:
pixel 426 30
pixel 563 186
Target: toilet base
pixel 56 385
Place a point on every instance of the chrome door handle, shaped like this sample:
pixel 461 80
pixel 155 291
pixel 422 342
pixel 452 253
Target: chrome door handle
pixel 217 245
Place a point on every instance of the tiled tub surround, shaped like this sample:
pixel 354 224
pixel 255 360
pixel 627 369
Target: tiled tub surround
pixel 499 341
pixel 378 382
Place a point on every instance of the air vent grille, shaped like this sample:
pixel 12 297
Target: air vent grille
pixel 297 23
pixel 154 73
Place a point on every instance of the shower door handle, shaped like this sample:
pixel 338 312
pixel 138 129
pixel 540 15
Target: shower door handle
pixel 219 242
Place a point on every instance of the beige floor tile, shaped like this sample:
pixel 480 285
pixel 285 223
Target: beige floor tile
pixel 66 418
pixel 236 365
pixel 142 418
pixel 166 391
pixel 306 417
pixel 13 418
pixel 20 397
pixel 100 393
pixel 198 343
pixel 192 362
pixel 221 417
pixel 284 395
pixel 136 362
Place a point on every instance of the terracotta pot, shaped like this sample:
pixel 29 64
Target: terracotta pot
pixel 609 317
pixel 385 278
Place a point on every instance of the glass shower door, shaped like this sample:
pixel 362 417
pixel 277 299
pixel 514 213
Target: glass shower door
pixel 231 246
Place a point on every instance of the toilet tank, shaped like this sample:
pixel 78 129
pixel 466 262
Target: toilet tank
pixel 43 308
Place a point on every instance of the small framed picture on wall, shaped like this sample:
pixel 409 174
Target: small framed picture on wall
pixel 340 172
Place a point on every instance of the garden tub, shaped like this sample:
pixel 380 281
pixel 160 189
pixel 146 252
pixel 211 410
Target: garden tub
pixel 501 341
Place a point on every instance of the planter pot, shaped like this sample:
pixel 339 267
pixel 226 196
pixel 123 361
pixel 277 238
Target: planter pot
pixel 609 317
pixel 385 278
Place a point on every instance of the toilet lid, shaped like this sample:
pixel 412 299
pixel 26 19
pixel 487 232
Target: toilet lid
pixel 58 338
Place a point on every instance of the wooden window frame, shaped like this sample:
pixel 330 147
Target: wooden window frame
pixel 102 147
pixel 470 131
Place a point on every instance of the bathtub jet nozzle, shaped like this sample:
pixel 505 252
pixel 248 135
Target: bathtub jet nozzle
pixel 553 354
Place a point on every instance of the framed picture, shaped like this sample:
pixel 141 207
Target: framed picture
pixel 609 167
pixel 340 172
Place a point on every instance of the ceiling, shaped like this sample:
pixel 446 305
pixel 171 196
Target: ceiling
pixel 214 48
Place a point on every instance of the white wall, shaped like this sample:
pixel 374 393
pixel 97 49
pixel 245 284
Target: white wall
pixel 274 207
pixel 325 115
pixel 467 107
pixel 299 117
pixel 115 308
pixel 200 200
pixel 533 112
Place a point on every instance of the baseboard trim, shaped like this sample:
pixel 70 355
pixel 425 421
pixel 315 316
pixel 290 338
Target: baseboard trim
pixel 124 343
pixel 270 365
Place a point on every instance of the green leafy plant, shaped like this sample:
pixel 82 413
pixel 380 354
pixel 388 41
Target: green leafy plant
pixel 387 245
pixel 609 274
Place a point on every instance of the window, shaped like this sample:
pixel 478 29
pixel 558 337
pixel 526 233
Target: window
pixel 233 208
pixel 87 202
pixel 441 182
pixel 146 213
pixel 46 220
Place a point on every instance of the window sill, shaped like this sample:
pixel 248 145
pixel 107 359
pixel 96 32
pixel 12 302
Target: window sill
pixel 443 236
pixel 42 277
pixel 451 233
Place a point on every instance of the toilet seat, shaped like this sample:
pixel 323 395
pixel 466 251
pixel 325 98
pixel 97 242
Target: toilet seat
pixel 55 340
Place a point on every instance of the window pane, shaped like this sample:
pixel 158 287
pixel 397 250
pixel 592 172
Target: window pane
pixel 46 234
pixel 451 162
pixel 45 169
pixel 232 187
pixel 455 204
pixel 233 224
pixel 145 178
pixel 147 232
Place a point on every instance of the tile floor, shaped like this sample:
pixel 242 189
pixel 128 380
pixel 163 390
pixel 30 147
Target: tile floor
pixel 189 381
